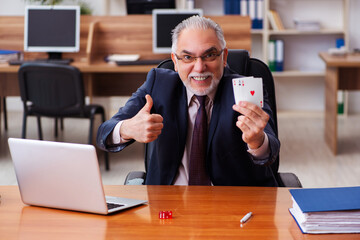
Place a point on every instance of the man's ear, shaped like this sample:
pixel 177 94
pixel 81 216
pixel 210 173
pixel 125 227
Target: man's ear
pixel 173 58
pixel 225 56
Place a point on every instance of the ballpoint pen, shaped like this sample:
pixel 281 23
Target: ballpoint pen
pixel 246 217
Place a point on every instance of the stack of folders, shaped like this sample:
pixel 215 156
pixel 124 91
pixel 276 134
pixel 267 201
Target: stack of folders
pixel 252 8
pixel 276 55
pixel 8 55
pixel 307 25
pixel 112 58
pixel 327 210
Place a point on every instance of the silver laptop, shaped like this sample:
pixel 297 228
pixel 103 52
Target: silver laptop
pixel 62 175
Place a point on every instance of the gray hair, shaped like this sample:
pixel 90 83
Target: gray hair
pixel 197 22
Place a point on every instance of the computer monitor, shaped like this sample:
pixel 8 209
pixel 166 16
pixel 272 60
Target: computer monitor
pixel 52 29
pixel 164 21
pixel 146 6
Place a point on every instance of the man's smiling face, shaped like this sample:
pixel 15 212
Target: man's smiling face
pixel 201 75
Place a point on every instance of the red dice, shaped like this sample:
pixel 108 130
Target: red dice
pixel 165 214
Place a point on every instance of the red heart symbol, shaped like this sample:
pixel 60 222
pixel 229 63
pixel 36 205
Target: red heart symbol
pixel 252 93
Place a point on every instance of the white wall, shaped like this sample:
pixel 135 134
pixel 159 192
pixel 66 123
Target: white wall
pixel 292 94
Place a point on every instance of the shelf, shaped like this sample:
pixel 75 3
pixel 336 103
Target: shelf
pixel 297 73
pixel 257 31
pixel 297 32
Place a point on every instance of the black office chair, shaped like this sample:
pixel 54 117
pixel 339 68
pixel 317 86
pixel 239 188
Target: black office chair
pixel 55 91
pixel 240 61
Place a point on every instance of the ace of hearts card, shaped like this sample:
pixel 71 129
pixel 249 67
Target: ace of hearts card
pixel 248 89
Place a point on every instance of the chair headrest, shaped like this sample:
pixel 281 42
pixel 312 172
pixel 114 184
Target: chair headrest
pixel 238 60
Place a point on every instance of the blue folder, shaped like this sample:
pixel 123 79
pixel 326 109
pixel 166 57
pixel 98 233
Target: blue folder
pixel 4 52
pixel 327 199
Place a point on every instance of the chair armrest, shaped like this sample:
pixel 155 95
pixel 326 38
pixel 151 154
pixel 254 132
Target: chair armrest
pixel 290 180
pixel 135 178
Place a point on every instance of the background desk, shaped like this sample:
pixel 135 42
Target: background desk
pixel 342 73
pixel 198 213
pixel 101 79
pixel 103 35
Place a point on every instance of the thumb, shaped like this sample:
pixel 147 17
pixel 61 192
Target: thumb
pixel 148 105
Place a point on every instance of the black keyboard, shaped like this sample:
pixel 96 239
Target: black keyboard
pixel 54 61
pixel 140 62
pixel 113 205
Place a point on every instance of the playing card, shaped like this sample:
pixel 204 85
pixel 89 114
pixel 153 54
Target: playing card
pixel 248 89
pixel 237 87
pixel 252 91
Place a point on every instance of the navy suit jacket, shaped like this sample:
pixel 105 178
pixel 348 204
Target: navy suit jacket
pixel 227 162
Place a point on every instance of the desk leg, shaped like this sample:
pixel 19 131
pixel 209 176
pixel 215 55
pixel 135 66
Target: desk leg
pixel 2 86
pixel 1 111
pixel 331 88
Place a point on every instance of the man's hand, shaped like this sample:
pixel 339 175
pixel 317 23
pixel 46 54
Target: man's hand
pixel 252 123
pixel 143 127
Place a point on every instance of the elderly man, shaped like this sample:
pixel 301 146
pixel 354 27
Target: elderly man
pixel 195 133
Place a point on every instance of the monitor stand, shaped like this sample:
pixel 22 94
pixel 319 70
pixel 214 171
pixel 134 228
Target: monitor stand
pixel 56 57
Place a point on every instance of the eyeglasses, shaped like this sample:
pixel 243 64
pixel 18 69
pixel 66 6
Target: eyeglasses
pixel 208 57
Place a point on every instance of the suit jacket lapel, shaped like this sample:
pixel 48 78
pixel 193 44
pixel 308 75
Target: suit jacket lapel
pixel 182 120
pixel 216 112
pixel 214 121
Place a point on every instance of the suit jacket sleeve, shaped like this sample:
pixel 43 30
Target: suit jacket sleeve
pixel 274 143
pixel 131 108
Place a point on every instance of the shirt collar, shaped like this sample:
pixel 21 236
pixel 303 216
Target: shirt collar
pixel 190 94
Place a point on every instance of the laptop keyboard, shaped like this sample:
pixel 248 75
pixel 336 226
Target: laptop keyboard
pixel 113 205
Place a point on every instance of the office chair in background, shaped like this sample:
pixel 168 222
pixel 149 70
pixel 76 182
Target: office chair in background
pixel 240 61
pixel 55 91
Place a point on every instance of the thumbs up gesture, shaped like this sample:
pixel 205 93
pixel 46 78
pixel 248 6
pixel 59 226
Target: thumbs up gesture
pixel 143 127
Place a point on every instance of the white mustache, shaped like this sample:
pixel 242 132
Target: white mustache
pixel 205 75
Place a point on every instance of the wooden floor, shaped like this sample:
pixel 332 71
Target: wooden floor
pixel 303 150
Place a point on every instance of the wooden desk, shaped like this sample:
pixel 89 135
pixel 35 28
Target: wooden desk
pixel 101 79
pixel 198 213
pixel 342 73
